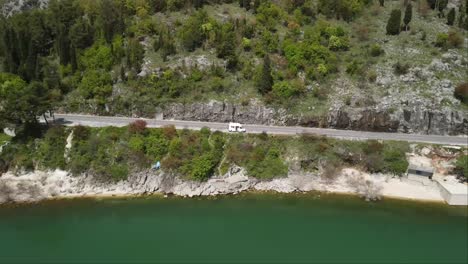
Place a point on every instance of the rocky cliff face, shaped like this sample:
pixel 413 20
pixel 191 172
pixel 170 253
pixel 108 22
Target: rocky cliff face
pixel 215 111
pixel 407 119
pixel 39 185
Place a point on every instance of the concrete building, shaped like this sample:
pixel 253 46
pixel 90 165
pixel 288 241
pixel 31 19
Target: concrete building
pixel 420 174
pixel 454 193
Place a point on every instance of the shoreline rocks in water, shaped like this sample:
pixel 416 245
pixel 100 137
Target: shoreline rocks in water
pixel 40 185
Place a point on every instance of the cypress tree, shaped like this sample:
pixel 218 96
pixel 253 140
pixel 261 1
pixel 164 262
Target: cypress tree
pixel 408 15
pixel 451 17
pixel 265 82
pixel 393 24
pixel 442 6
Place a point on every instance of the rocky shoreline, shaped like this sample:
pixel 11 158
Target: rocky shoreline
pixel 40 185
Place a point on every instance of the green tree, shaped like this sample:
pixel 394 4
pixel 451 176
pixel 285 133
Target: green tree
pixel 265 79
pixel 191 33
pixel 408 15
pixel 20 103
pixel 451 17
pixel 394 22
pixel 382 2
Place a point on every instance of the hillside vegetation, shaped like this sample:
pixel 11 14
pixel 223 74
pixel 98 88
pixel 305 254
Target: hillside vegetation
pixel 306 56
pixel 111 154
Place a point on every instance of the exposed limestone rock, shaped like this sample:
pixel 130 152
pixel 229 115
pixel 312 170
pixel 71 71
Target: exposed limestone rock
pixel 214 111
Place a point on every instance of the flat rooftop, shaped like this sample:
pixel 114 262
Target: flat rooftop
pixel 454 187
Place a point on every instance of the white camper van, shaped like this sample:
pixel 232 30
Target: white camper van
pixel 236 127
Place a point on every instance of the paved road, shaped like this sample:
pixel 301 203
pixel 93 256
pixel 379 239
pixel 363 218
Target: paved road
pixel 100 121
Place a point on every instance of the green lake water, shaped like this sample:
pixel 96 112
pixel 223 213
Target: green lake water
pixel 249 228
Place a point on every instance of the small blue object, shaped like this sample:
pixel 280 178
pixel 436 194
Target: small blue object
pixel 157 166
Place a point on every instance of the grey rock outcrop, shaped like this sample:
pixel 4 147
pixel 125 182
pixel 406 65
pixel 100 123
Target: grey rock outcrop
pixel 410 117
pixel 214 111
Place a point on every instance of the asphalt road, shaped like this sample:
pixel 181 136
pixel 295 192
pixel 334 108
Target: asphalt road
pixel 101 121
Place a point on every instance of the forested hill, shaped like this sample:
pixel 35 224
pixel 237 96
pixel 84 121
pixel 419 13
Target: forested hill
pixel 309 57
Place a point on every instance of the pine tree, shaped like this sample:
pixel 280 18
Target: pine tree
pixel 451 17
pixel 393 24
pixel 265 80
pixel 408 15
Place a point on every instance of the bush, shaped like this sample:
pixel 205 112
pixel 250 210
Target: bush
pixel 137 127
pixel 119 172
pixel 400 68
pixel 441 40
pixel 285 89
pixel 461 93
pixel 81 133
pixel 169 131
pixel 355 68
pixel 376 50
pixel 394 161
pixel 50 152
pixel 371 76
pixel 266 166
pixel 202 168
pixel 454 39
pixel 394 22
pixel 461 167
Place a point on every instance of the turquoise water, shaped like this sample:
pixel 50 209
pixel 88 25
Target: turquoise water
pixel 249 228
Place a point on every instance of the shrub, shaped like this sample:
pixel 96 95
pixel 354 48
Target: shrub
pixel 81 132
pixel 461 167
pixel 202 168
pixel 400 68
pixel 355 68
pixel 394 22
pixel 50 152
pixel 454 39
pixel 266 166
pixel 119 172
pixel 137 143
pixel 461 93
pixel 169 131
pixel 376 50
pixel 285 89
pixel 372 76
pixel 137 127
pixel 338 43
pixel 441 40
pixel 394 161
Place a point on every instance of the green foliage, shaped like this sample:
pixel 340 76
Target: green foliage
pixel 264 79
pixel 96 85
pixel 191 33
pixel 269 14
pixel 461 166
pixel 451 17
pixel 394 158
pixel 50 151
pixel 401 68
pixel 119 172
pixel 21 103
pixel 286 89
pixel 441 40
pixel 202 168
pixel 99 56
pixel 344 9
pixel 393 24
pixel 408 15
pixel 376 50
